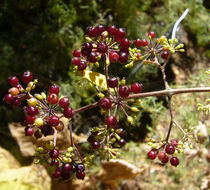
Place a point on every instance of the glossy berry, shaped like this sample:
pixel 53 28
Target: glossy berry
pixel 30 119
pixel 111 30
pixel 165 54
pixel 80 174
pixel 16 102
pixel 80 167
pixel 76 53
pixel 8 98
pixel 120 33
pixel 125 42
pixel 57 173
pixel 174 142
pixel 59 127
pixel 27 77
pixel 124 91
pixel 67 167
pixel 100 28
pixel 54 89
pixel 174 161
pixel 111 121
pixel 54 162
pixel 92 31
pixel 53 99
pixel 32 110
pixel 165 159
pixel 113 56
pixel 144 42
pixel 105 103
pixel 14 81
pixel 96 145
pixel 92 57
pixel 102 47
pixel 82 66
pixel 54 120
pixel 47 130
pixel 86 48
pixel 152 34
pixel 37 134
pixel 112 82
pixel 64 102
pixel 29 131
pixel 121 142
pixel 68 112
pixel 136 87
pixel 14 91
pixel 76 61
pixel 152 154
pixel 170 149
pixel 54 153
pixel 123 57
pixel 121 132
pixel 138 42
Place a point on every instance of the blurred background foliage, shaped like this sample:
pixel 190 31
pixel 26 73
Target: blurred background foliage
pixel 40 35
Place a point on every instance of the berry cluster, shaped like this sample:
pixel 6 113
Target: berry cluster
pixel 163 156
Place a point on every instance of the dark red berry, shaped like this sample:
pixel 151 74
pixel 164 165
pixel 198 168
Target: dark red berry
pixel 57 173
pixel 100 28
pixel 47 130
pixel 92 31
pixel 16 102
pixel 86 48
pixel 121 132
pixel 92 57
pixel 136 87
pixel 76 61
pixel 123 57
pixel 164 160
pixel 138 42
pixel 68 112
pixel 105 103
pixel 152 154
pixel 151 34
pixel 76 53
pixel 174 161
pixel 54 153
pixel 54 120
pixel 82 66
pixel 111 121
pixel 53 99
pixel 165 54
pixel 65 176
pixel 32 110
pixel 112 82
pixel 120 33
pixel 102 47
pixel 170 149
pixel 96 145
pixel 67 167
pixel 13 80
pixel 37 134
pixel 111 30
pixel 27 77
pixel 113 56
pixel 144 42
pixel 8 98
pixel 29 131
pixel 30 119
pixel 125 42
pixel 121 142
pixel 64 102
pixel 54 89
pixel 80 167
pixel 91 138
pixel 80 175
pixel 124 91
pixel 163 157
pixel 174 142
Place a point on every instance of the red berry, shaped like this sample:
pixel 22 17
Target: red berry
pixel 138 43
pixel 152 154
pixel 105 103
pixel 136 87
pixel 32 110
pixel 68 112
pixel 125 42
pixel 86 48
pixel 151 34
pixel 16 102
pixel 111 121
pixel 30 119
pixel 54 89
pixel 100 28
pixel 111 30
pixel 53 99
pixel 54 120
pixel 54 153
pixel 65 176
pixel 165 159
pixel 96 145
pixel 165 54
pixel 174 161
pixel 76 53
pixel 27 77
pixel 174 142
pixel 121 142
pixel 80 167
pixel 57 173
pixel 112 82
pixel 67 167
pixel 47 130
pixel 29 131
pixel 76 61
pixel 54 163
pixel 13 80
pixel 120 33
pixel 114 56
pixel 91 138
pixel 64 102
pixel 144 42
pixel 124 91
pixel 170 149
pixel 102 47
pixel 123 57
pixel 8 98
pixel 92 31
pixel 121 132
pixel 80 175
pixel 92 57
pixel 82 66
pixel 37 134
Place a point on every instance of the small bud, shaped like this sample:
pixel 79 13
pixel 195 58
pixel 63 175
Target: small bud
pixel 50 145
pixel 150 143
pixel 88 39
pixel 182 50
pixel 100 95
pixel 97 64
pixel 117 136
pixel 105 33
pixel 70 149
pixel 35 81
pixel 38 122
pixel 40 149
pixel 28 89
pixel 32 102
pixel 30 84
pixel 130 120
pixel 175 40
pixel 154 146
pixel 43 95
pixel 135 109
pixel 68 155
pixel 38 96
pixel 123 81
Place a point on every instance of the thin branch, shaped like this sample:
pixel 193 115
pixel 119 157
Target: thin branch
pixel 90 106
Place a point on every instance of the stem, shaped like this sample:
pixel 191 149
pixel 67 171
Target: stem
pixel 172 118
pixel 181 129
pixel 55 136
pixel 90 106
pixel 71 137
